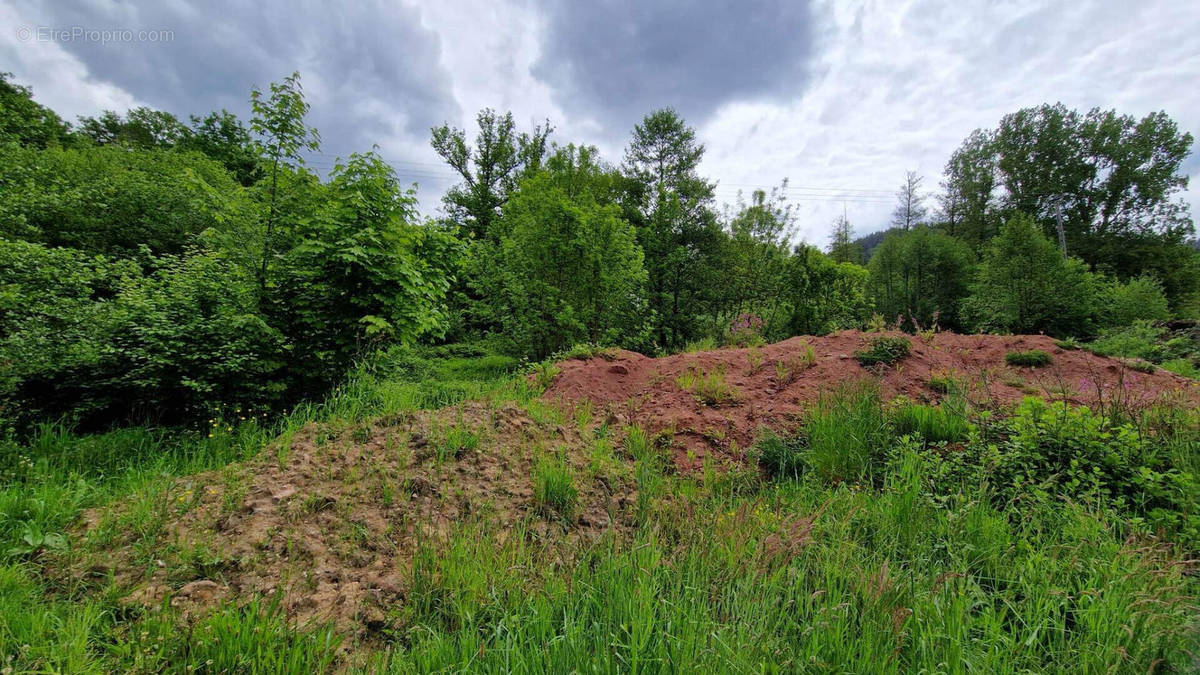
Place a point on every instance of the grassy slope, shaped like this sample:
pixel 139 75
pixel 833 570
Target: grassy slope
pixel 725 573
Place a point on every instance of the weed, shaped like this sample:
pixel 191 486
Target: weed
pixel 754 361
pixel 1182 367
pixel 883 349
pixel 781 457
pixel 544 374
pixel 1139 365
pixel 788 370
pixel 933 423
pixel 847 432
pixel 709 387
pixel 945 383
pixel 553 488
pixel 1033 358
pixel 1068 344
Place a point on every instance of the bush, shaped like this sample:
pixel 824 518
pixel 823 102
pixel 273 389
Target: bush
pixel 1138 340
pixel 1033 358
pixel 883 349
pixel 1182 367
pixel 1140 299
pixel 1056 451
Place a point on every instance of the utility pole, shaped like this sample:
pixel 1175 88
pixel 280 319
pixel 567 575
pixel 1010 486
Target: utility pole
pixel 1062 234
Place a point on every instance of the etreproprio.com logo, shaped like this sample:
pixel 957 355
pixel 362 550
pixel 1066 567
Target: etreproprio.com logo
pixel 93 35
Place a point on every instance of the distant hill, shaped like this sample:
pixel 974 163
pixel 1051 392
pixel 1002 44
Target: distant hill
pixel 868 242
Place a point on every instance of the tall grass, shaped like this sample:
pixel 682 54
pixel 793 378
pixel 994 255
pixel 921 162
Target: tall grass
pixel 847 432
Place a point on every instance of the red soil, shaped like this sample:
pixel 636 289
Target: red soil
pixel 634 388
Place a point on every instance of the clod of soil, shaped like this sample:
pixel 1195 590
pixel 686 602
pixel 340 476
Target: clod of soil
pixel 771 386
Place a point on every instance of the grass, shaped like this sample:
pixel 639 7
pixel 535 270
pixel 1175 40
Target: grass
pixel 1033 358
pixel 709 387
pixel 878 553
pixel 847 432
pixel 1182 367
pixel 883 350
pixel 788 370
pixel 554 489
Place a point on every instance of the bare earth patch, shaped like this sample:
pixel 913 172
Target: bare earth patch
pixel 647 391
pixel 331 523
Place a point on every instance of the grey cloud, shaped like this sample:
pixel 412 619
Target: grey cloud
pixel 616 61
pixel 356 60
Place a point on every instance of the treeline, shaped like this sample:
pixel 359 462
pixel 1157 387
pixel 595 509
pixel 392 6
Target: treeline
pixel 158 270
pixel 1054 222
pixel 162 272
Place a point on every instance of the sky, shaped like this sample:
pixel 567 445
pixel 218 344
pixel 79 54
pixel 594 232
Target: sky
pixel 839 97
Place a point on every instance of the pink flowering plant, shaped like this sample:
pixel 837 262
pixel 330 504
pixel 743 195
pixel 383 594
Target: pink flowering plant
pixel 745 331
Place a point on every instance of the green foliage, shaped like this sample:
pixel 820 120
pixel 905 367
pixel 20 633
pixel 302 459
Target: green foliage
pixel 847 432
pixel 920 275
pixel 823 295
pixel 111 200
pixel 1053 449
pixel 360 272
pixel 24 121
pixel 1025 285
pixel 1033 358
pixel 782 456
pixel 554 490
pixel 1109 179
pixel 98 339
pixel 1139 299
pixel 883 349
pixel 946 422
pixel 709 387
pixel 1139 340
pixel 568 268
pixel 1068 344
pixel 1182 367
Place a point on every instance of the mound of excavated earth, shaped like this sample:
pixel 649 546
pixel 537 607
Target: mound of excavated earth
pixel 660 393
pixel 330 519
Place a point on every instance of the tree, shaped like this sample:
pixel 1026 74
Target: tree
pixel 360 271
pixel 568 268
pixel 223 137
pixel 490 170
pixel 968 202
pixel 753 259
pixel 922 276
pixel 1111 180
pixel 910 209
pixel 141 127
pixel 25 121
pixel 824 295
pixel 842 246
pixel 278 121
pixel 1026 285
pixel 670 204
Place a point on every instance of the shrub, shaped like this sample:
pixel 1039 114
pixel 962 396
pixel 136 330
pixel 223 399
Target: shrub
pixel 847 432
pixel 883 349
pixel 1068 344
pixel 1034 358
pixel 1139 340
pixel 1182 367
pixel 944 383
pixel 553 488
pixel 1140 299
pixel 1139 365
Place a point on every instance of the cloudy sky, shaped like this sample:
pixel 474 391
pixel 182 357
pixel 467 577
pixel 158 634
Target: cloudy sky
pixel 840 97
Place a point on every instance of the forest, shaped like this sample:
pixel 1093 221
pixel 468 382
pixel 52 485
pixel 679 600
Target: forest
pixel 193 319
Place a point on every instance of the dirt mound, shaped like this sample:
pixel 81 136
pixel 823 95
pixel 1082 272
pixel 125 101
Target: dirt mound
pixel 331 520
pixel 770 386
